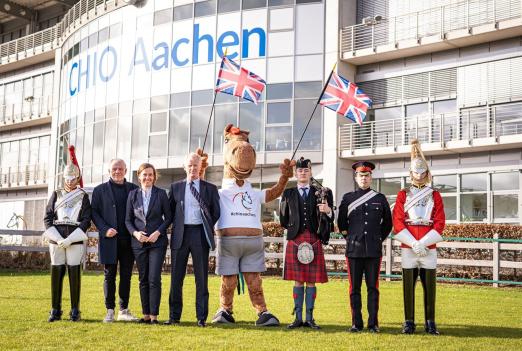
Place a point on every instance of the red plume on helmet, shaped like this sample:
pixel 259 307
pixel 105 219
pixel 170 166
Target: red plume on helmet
pixel 72 156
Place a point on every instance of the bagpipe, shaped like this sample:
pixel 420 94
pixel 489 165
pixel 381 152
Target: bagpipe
pixel 326 225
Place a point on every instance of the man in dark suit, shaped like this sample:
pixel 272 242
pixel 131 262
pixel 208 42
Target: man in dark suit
pixel 109 201
pixel 365 221
pixel 195 207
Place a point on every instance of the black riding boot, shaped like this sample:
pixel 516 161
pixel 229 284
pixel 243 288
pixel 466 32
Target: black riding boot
pixel 429 284
pixel 409 278
pixel 57 274
pixel 75 285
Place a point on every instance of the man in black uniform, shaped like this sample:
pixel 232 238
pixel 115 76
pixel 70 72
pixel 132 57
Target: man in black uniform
pixel 365 221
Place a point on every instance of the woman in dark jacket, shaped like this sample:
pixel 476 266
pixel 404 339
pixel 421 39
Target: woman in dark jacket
pixel 147 219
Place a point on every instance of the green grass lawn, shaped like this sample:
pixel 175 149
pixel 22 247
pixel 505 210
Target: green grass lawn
pixel 469 318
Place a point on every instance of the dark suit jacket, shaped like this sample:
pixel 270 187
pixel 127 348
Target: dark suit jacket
pixel 210 196
pixel 104 217
pixel 289 214
pixel 158 216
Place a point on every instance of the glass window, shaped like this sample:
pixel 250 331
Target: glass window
pixel 84 44
pixel 473 182
pixel 225 98
pixel 450 207
pixel 178 134
pixel 312 138
pixel 390 186
pixel 278 112
pixel 444 106
pixel 505 181
pixel 223 115
pixel 124 135
pixel 251 119
pixel 115 30
pixel 159 102
pixel 279 91
pixel 163 16
pixel 111 133
pixel 387 113
pixel 158 122
pixel 141 105
pixel 228 5
pixel 505 206
pixel 180 99
pixel 139 136
pixel 306 1
pixel 144 21
pixel 278 138
pixel 103 35
pixel 157 145
pixel 417 109
pixel 111 111
pixel 97 144
pixel 473 207
pixel 445 183
pixel 280 2
pixel 205 8
pixel 183 12
pixel 308 90
pixel 202 97
pixel 198 127
pixel 253 4
pixel 93 40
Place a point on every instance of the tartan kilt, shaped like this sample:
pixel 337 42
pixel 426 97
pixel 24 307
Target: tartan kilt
pixel 315 271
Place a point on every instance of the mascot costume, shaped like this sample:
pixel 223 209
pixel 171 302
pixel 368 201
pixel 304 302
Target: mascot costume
pixel 240 246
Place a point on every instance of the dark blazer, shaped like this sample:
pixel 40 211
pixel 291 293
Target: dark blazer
pixel 104 216
pixel 210 196
pixel 84 217
pixel 158 216
pixel 367 226
pixel 290 214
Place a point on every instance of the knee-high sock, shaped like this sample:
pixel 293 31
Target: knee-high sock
pixel 409 278
pixel 429 283
pixel 228 288
pixel 255 290
pixel 311 293
pixel 75 273
pixel 57 274
pixel 298 302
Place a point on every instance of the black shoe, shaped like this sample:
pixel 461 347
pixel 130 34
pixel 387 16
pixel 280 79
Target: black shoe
pixel 54 315
pixel 267 319
pixel 295 324
pixel 223 316
pixel 75 315
pixel 355 329
pixel 408 327
pixel 374 329
pixel 431 328
pixel 144 321
pixel 154 321
pixel 171 321
pixel 202 323
pixel 311 324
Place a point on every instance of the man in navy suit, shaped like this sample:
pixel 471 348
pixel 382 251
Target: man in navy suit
pixel 109 201
pixel 195 207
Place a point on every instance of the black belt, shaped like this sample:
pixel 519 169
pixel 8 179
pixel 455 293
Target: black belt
pixel 193 225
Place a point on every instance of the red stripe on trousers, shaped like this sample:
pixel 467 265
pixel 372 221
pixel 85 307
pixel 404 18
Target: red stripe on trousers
pixel 350 290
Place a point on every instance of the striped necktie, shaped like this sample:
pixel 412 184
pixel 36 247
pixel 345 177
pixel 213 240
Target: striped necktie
pixel 197 196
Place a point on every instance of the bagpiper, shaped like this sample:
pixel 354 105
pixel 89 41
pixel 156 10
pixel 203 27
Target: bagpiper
pixel 306 211
pixel 67 218
pixel 418 221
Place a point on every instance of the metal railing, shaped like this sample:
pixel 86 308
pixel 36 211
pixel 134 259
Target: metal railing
pixel 436 21
pixel 26 110
pixel 49 39
pixel 482 122
pixel 23 175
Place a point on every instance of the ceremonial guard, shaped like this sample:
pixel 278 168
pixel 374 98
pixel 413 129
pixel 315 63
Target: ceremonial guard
pixel 418 221
pixel 306 212
pixel 67 218
pixel 365 221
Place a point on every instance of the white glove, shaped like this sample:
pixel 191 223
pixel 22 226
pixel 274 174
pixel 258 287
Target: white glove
pixel 431 237
pixel 75 236
pixel 419 248
pixel 405 237
pixel 52 234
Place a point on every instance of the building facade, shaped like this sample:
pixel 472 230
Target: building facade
pixel 117 80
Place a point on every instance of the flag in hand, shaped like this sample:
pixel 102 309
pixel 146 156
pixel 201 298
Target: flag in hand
pixel 345 98
pixel 234 80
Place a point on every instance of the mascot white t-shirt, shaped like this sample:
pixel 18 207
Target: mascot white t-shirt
pixel 240 205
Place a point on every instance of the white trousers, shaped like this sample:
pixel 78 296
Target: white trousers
pixel 411 260
pixel 72 256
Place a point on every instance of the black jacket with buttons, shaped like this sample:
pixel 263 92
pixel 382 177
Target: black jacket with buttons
pixel 367 226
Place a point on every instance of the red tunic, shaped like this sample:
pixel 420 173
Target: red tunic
pixel 418 231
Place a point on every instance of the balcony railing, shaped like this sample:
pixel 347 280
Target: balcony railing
pixel 484 122
pixel 436 21
pixel 49 39
pixel 27 110
pixel 23 175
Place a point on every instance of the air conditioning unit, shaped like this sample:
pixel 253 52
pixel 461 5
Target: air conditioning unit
pixel 367 21
pixel 137 3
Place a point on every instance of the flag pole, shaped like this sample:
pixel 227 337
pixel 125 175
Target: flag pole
pixel 315 107
pixel 213 105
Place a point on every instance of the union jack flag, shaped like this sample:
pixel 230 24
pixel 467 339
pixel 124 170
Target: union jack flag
pixel 234 80
pixel 345 98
